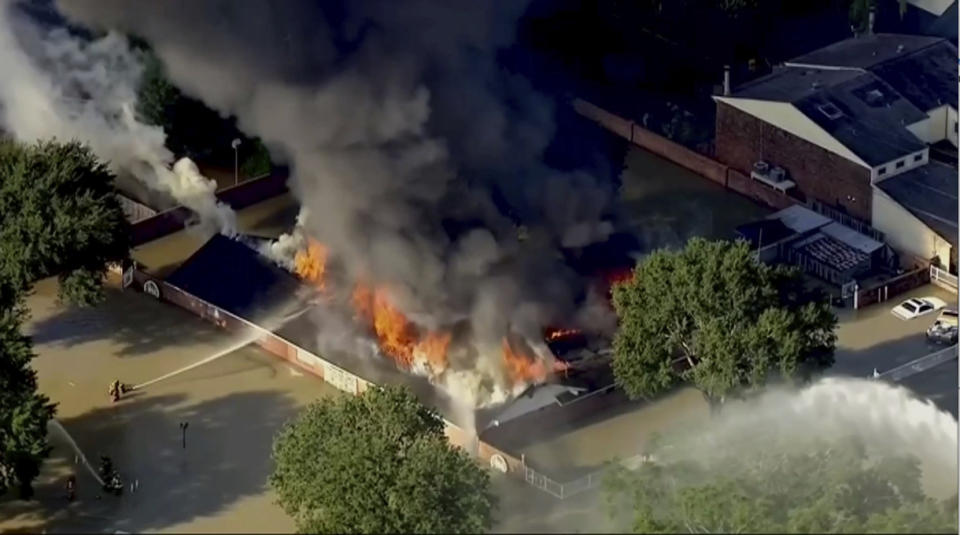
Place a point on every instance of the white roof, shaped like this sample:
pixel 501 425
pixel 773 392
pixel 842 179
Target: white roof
pixel 851 237
pixel 800 219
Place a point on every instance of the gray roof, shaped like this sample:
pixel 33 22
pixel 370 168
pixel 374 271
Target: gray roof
pixel 873 121
pixel 927 77
pixel 535 399
pixel 852 238
pixel 800 219
pixel 832 252
pixel 860 110
pixel 930 193
pixel 865 51
pixel 922 69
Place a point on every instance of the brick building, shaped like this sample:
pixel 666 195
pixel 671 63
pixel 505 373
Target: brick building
pixel 856 127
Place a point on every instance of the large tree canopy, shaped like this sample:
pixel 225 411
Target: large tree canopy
pixel 377 463
pixel 712 315
pixel 24 412
pixel 831 487
pixel 58 215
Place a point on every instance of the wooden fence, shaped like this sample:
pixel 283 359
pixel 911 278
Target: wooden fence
pixel 891 287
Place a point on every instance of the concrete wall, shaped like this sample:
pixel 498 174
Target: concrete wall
pixel 904 232
pixel 890 169
pixel 933 128
pixel 952 125
pixel 742 139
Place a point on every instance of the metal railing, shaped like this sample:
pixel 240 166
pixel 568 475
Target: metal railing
pixel 577 486
pixel 943 278
pixel 919 365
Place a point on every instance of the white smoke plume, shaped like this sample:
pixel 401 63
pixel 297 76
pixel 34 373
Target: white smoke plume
pixel 408 145
pixel 58 85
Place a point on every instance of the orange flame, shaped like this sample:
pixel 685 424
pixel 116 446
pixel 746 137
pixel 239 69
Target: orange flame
pixel 522 367
pixel 401 340
pixel 310 264
pixel 553 334
pixel 434 348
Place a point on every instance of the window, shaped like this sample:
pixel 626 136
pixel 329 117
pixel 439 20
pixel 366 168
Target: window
pixel 917 157
pixel 901 163
pixel 909 307
pixel 882 171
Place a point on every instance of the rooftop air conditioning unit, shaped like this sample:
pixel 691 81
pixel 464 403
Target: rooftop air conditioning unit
pixel 778 174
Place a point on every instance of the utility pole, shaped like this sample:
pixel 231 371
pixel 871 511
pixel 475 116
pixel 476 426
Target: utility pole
pixel 236 160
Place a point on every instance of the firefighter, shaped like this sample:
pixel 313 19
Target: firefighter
pixel 71 488
pixel 114 390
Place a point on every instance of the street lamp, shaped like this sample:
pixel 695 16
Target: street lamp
pixel 183 433
pixel 236 160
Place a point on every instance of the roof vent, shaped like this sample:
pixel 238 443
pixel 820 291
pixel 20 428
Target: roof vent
pixel 831 111
pixel 874 97
pixel 815 85
pixel 899 49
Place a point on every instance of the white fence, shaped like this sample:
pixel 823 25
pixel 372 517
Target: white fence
pixel 943 279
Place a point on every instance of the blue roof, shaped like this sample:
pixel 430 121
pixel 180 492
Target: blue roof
pixel 230 274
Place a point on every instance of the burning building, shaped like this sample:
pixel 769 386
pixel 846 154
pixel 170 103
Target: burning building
pixel 228 282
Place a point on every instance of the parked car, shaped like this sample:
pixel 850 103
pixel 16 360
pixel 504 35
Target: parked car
pixel 948 316
pixel 942 333
pixel 916 307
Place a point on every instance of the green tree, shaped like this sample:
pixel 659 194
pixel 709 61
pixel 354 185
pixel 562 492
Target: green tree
pixel 831 487
pixel 710 314
pixel 377 463
pixel 257 163
pixel 59 214
pixel 24 413
pixel 156 96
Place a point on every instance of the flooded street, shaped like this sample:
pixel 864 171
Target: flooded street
pixel 233 406
pixel 665 204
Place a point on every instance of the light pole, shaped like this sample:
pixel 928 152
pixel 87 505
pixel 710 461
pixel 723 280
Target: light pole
pixel 236 160
pixel 183 433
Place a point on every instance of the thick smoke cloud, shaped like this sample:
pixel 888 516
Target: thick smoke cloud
pixel 56 85
pixel 407 142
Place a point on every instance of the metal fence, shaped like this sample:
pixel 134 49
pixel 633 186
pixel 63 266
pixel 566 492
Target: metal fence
pixel 920 365
pixel 943 278
pixel 577 486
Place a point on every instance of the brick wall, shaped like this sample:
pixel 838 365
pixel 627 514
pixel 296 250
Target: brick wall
pixel 655 143
pixel 742 139
pixel 758 191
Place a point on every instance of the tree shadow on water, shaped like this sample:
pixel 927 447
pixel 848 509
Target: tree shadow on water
pixel 226 458
pixel 135 321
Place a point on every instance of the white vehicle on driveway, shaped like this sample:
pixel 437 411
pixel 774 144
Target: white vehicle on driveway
pixel 916 307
